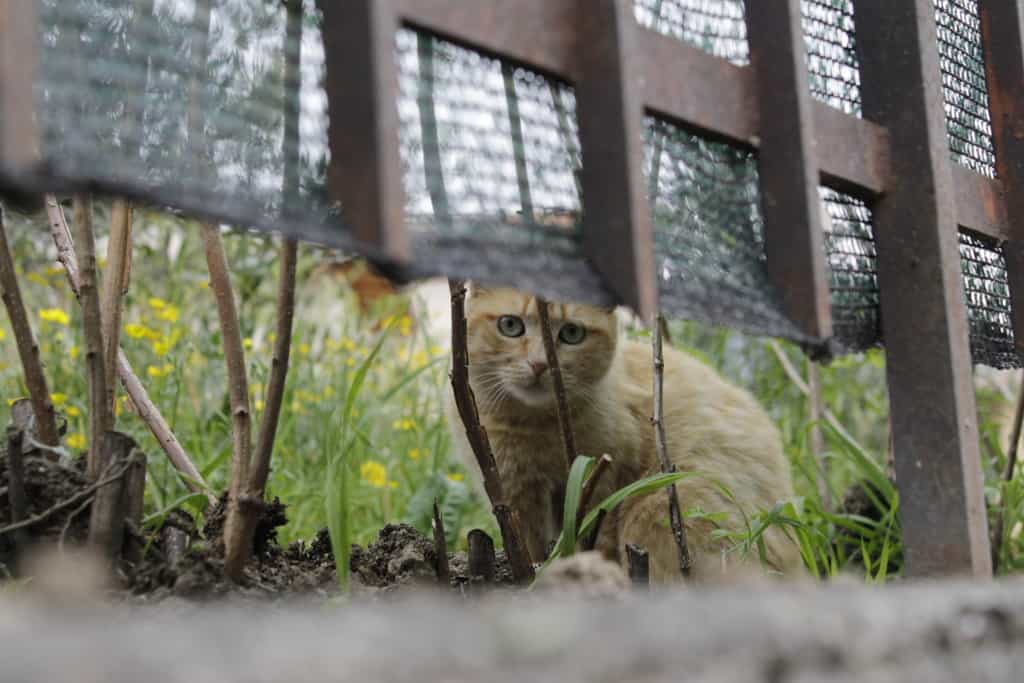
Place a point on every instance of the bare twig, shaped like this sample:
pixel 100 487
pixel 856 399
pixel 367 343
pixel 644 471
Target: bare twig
pixel 816 407
pixel 591 541
pixel 66 503
pixel 675 518
pixel 557 385
pixel 107 515
pixel 28 350
pixel 508 522
pixel 100 419
pixel 144 406
pixel 1011 464
pixel 115 283
pixel 639 565
pixel 16 485
pixel 481 555
pixel 440 547
pixel 236 549
pixel 70 519
pixel 278 370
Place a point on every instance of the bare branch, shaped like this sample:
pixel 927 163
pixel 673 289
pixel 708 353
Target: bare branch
pixel 557 385
pixel 16 485
pixel 675 518
pixel 236 549
pixel 28 349
pixel 465 402
pixel 144 406
pixel 114 288
pixel 100 417
pixel 440 547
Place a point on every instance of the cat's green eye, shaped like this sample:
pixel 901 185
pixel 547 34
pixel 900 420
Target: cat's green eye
pixel 571 333
pixel 511 326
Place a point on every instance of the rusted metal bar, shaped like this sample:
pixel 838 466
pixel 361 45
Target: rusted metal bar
pixel 365 172
pixel 616 216
pixel 924 318
pixel 790 203
pixel 1002 31
pixel 19 140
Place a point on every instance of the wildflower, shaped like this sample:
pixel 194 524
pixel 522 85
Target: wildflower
pixel 416 453
pixel 157 371
pixel 304 349
pixel 348 344
pixel 405 425
pixel 75 351
pixel 247 343
pixel 374 473
pixel 137 331
pixel 55 315
pixel 436 351
pixel 405 326
pixel 119 405
pixel 350 361
pixel 169 313
pixel 419 359
pixel 161 347
pixel 157 304
pixel 59 399
pixel 3 335
pixel 76 441
pixel 260 404
pixel 455 476
pixel 392 484
pixel 53 271
pixel 328 392
pixel 72 411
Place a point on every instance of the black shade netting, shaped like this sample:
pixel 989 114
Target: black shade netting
pixel 223 113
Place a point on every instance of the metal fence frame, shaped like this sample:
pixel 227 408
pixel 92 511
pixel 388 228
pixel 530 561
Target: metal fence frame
pixel 896 159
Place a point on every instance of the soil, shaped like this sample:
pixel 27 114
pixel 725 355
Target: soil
pixel 178 560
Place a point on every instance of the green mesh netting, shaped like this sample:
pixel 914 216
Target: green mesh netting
pixel 171 103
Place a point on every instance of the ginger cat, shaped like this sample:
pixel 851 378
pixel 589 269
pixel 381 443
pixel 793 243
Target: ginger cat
pixel 712 428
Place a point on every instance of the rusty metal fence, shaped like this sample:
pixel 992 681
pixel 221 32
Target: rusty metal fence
pixel 835 172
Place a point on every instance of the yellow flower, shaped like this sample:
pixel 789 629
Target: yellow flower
pixel 348 344
pixel 76 441
pixel 350 361
pixel 405 425
pixel 157 304
pixel 169 314
pixel 405 326
pixel 419 359
pixel 260 405
pixel 59 399
pixel 119 405
pixel 328 392
pixel 303 349
pixel 374 473
pixel 247 343
pixel 137 331
pixel 161 347
pixel 393 484
pixel 416 453
pixel 159 370
pixel 204 284
pixel 455 476
pixel 3 335
pixel 54 315
pixel 72 411
pixel 53 271
pixel 436 351
pixel 75 351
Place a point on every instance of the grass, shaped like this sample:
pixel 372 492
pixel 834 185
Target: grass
pixel 363 438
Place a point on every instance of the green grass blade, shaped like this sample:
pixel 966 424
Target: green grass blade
pixel 581 467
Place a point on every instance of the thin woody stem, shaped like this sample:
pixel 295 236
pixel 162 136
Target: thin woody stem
pixel 115 285
pixel 661 446
pixel 100 417
pixel 465 402
pixel 557 384
pixel 28 349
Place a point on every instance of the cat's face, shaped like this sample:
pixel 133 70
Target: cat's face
pixel 506 351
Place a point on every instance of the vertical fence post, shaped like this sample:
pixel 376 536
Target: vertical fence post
pixel 1002 34
pixel 924 316
pixel 18 59
pixel 616 216
pixel 365 172
pixel 794 239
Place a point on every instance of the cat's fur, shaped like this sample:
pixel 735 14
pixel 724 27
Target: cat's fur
pixel 712 428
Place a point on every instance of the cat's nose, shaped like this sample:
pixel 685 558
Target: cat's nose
pixel 537 366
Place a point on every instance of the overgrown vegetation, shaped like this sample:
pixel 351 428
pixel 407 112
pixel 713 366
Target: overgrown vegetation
pixel 362 438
